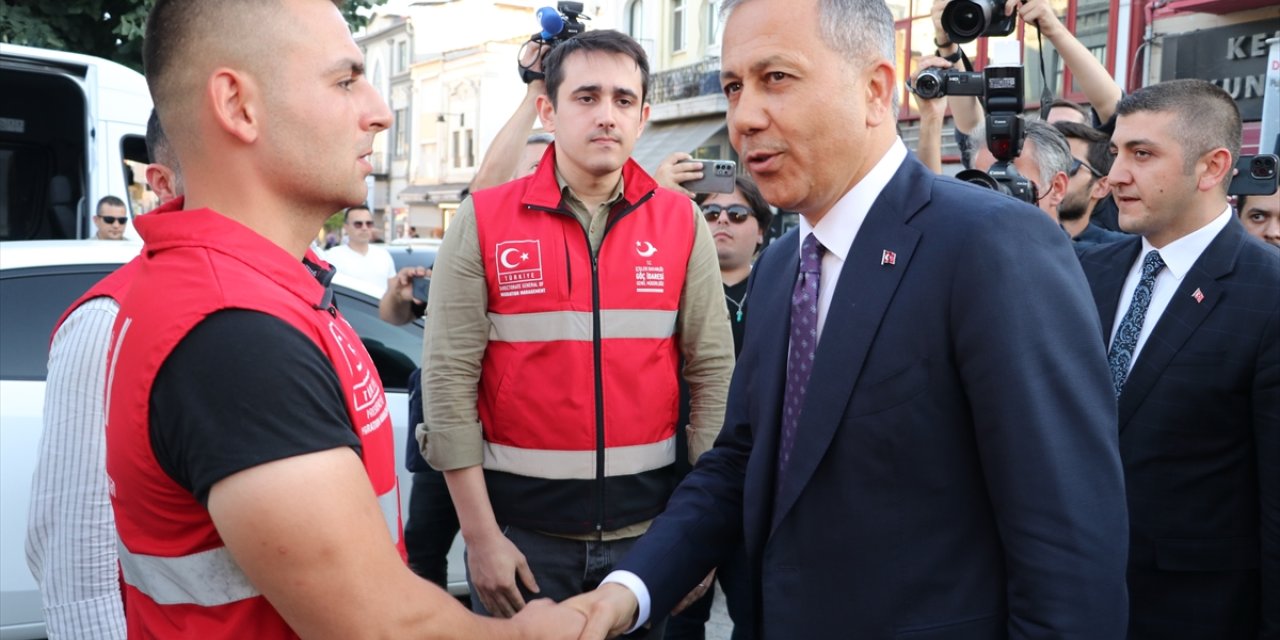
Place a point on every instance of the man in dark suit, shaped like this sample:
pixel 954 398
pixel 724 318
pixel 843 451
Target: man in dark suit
pixel 944 464
pixel 1191 313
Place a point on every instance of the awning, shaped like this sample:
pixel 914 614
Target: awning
pixel 660 140
pixel 448 192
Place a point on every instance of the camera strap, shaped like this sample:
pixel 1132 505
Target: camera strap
pixel 527 74
pixel 1046 94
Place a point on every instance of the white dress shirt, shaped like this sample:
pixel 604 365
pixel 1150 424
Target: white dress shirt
pixel 375 266
pixel 836 232
pixel 71 530
pixel 1178 257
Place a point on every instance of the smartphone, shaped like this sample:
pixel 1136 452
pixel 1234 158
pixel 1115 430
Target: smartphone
pixel 717 177
pixel 1255 176
pixel 420 288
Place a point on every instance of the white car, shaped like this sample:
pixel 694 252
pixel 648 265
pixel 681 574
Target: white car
pixel 38 280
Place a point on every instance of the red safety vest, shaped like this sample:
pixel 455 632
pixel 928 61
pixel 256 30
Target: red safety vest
pixel 180 581
pixel 579 393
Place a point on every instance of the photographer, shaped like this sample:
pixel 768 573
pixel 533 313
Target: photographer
pixel 1097 84
pixel 932 114
pixel 1045 161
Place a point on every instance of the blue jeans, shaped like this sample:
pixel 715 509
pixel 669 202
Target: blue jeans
pixel 565 568
pixel 431 527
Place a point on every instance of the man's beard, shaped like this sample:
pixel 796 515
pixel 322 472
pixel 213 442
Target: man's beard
pixel 1073 208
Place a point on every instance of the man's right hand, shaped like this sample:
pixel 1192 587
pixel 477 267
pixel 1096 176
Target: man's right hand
pixel 495 563
pixel 610 609
pixel 402 283
pixel 543 619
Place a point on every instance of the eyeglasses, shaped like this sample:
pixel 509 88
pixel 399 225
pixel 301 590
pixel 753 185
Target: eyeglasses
pixel 738 214
pixel 1076 163
pixel 362 223
pixel 114 220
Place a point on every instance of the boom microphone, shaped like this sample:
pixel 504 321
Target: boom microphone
pixel 552 22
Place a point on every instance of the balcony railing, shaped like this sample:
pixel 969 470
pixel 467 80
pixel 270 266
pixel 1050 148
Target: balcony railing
pixel 699 79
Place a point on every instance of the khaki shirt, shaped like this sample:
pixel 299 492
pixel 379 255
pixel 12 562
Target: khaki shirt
pixel 457 333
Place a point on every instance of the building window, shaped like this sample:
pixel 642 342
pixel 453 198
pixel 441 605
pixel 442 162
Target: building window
pixel 401 124
pixel 464 149
pixel 713 22
pixel 635 19
pixel 402 55
pixel 677 25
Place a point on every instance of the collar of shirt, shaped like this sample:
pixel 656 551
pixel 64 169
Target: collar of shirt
pixel 837 229
pixel 575 203
pixel 1180 254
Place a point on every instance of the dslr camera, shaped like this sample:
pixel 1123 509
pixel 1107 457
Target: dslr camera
pixel 966 20
pixel 999 89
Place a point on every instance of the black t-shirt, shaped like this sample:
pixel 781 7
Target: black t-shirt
pixel 243 388
pixel 736 299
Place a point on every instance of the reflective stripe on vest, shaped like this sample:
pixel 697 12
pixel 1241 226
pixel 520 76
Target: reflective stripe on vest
pixel 576 325
pixel 210 578
pixel 579 465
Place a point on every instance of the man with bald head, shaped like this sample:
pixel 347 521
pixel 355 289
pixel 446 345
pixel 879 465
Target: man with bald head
pixel 249 447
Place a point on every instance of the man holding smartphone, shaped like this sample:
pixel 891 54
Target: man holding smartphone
pixel 562 305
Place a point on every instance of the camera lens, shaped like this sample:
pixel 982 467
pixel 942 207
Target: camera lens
pixel 1263 167
pixel 965 20
pixel 928 85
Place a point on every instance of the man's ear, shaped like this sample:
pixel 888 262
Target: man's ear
pixel 1215 170
pixel 1099 189
pixel 1058 188
pixel 162 181
pixel 880 86
pixel 546 113
pixel 235 100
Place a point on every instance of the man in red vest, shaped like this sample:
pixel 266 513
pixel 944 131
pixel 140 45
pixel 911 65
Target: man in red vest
pixel 561 306
pixel 249 447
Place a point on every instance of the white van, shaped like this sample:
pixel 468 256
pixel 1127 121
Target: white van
pixel 68 123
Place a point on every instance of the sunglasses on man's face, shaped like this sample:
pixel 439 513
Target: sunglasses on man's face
pixel 738 214
pixel 114 220
pixel 362 223
pixel 1076 163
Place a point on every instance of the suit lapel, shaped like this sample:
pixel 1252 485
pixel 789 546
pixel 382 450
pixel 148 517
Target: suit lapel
pixel 1109 283
pixel 1181 318
pixel 858 305
pixel 772 295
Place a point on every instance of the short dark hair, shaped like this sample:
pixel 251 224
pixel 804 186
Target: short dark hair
pixel 755 200
pixel 603 40
pixel 158 147
pixel 540 138
pixel 174 31
pixel 1240 205
pixel 1067 104
pixel 110 201
pixel 1098 154
pixel 360 207
pixel 1206 116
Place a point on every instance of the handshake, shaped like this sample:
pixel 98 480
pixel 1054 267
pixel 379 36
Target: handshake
pixel 604 613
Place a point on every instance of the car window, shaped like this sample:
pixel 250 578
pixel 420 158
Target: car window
pixel 30 302
pixel 395 350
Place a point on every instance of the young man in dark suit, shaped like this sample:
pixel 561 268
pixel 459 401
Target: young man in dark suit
pixel 1191 315
pixel 899 457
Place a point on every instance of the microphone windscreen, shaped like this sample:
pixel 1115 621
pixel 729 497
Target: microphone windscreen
pixel 552 23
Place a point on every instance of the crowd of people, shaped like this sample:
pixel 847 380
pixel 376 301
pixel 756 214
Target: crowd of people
pixel 930 410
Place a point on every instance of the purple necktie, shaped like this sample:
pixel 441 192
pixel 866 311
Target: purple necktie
pixel 804 342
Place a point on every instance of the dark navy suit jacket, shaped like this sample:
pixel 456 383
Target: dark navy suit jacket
pixel 1200 441
pixel 956 473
